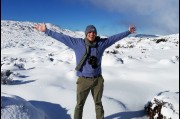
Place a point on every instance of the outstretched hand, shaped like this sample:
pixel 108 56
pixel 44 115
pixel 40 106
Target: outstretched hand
pixel 40 27
pixel 132 29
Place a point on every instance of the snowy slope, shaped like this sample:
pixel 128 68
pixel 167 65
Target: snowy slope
pixel 135 70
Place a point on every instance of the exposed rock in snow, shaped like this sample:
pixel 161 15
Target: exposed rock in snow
pixel 164 106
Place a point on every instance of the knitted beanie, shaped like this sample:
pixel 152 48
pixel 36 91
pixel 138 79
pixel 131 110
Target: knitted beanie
pixel 90 28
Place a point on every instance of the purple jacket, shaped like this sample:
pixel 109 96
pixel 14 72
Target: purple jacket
pixel 79 47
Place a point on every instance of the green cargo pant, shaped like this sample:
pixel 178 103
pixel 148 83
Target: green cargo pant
pixel 84 86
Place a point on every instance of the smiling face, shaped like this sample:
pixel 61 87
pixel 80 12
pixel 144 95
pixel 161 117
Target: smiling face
pixel 91 36
pixel 91 33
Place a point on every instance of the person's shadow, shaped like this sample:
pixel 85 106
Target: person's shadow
pixel 127 115
pixel 52 111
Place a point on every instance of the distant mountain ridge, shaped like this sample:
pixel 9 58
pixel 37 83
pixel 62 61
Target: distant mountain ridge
pixel 146 36
pixel 23 33
pixel 18 25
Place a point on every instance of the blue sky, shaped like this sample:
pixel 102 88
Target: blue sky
pixel 159 17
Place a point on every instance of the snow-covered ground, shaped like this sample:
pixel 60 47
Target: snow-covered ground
pixel 43 84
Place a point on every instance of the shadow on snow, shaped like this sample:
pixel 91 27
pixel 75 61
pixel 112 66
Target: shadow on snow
pixel 52 111
pixel 127 115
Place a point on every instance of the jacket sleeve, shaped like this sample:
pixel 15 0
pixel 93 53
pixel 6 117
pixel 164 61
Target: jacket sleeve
pixel 67 40
pixel 113 39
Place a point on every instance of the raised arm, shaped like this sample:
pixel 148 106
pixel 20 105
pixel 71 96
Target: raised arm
pixel 67 40
pixel 113 39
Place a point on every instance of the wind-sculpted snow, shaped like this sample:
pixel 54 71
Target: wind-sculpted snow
pixel 14 107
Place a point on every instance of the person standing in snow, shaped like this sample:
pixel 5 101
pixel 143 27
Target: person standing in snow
pixel 88 53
